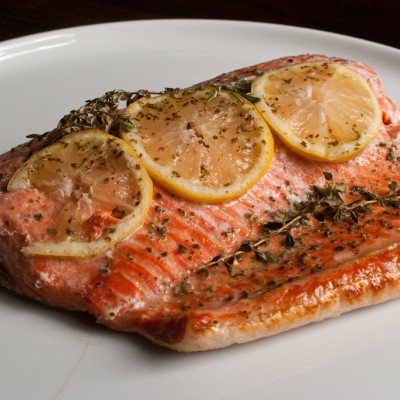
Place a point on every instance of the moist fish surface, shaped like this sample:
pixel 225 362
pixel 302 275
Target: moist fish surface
pixel 170 280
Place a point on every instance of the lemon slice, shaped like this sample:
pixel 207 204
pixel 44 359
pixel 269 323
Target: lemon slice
pixel 205 144
pixel 99 185
pixel 323 110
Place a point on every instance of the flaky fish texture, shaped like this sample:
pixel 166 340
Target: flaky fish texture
pixel 173 281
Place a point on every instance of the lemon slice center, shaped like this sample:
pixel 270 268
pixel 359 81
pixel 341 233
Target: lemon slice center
pixel 99 186
pixel 203 143
pixel 323 110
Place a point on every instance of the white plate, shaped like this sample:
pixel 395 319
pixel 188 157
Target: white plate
pixel 52 354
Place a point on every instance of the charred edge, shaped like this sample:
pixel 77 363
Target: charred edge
pixel 170 329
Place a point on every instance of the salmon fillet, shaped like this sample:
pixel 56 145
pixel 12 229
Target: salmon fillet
pixel 168 280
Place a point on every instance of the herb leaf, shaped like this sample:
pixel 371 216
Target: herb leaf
pixel 330 201
pixel 102 113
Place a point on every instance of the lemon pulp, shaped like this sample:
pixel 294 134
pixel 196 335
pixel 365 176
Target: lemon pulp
pixel 323 110
pixel 205 144
pixel 104 191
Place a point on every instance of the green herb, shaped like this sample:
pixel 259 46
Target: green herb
pixel 332 207
pixel 182 249
pixel 242 88
pixel 105 269
pixel 237 97
pixel 391 155
pixel 183 288
pixel 212 94
pixel 104 112
pixel 100 112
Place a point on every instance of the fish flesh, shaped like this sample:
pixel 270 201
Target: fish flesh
pixel 311 240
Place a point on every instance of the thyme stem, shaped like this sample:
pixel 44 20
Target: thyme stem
pixel 330 200
pixel 252 245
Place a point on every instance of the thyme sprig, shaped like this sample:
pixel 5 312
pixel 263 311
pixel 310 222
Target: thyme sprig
pixel 101 112
pixel 241 89
pixel 104 112
pixel 322 204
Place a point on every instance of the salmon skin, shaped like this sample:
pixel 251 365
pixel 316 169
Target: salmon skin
pixel 169 281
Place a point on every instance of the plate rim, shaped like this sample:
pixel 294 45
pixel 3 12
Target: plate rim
pixel 82 28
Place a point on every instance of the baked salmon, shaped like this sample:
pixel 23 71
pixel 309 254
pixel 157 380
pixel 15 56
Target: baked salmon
pixel 310 241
